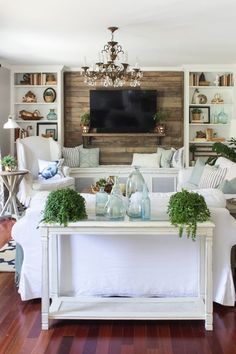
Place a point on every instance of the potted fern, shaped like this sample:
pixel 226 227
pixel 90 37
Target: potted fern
pixel 185 210
pixel 85 121
pixel 63 206
pixel 9 163
pixel 159 117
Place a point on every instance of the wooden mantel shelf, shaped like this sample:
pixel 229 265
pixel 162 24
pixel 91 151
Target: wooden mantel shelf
pixel 121 134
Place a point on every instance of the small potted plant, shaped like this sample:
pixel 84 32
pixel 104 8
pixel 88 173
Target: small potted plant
pixel 63 206
pixel 9 163
pixel 85 121
pixel 192 149
pixel 185 210
pixel 196 114
pixel 159 117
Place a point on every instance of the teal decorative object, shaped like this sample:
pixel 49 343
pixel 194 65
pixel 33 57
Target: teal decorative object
pixel 115 207
pixel 101 200
pixel 145 204
pixel 52 114
pixel 134 190
pixel 222 117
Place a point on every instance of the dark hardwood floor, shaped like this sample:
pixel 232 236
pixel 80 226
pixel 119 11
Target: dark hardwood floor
pixel 20 332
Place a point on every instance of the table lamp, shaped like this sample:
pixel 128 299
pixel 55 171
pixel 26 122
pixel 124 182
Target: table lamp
pixel 11 124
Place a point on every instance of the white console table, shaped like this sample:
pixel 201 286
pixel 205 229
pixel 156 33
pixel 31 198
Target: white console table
pixel 199 307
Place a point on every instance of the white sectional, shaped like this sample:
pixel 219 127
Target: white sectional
pixel 157 179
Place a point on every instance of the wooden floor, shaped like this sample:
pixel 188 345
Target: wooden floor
pixel 20 332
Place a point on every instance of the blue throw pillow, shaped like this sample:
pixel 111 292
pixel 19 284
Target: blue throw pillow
pixel 197 172
pixel 228 187
pixel 50 171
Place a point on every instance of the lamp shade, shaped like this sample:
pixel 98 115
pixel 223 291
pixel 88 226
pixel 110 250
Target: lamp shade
pixel 11 124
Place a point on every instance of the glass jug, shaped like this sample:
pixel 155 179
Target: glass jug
pixel 101 200
pixel 115 206
pixel 134 190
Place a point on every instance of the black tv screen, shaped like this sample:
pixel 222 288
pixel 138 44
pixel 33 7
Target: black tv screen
pixel 122 111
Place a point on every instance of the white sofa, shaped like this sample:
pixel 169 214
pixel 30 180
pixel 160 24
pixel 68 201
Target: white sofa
pixel 185 173
pixel 91 265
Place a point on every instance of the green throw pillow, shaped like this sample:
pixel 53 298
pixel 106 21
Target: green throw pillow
pixel 89 157
pixel 197 172
pixel 228 187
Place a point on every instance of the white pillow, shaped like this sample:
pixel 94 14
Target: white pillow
pixel 178 158
pixel 212 176
pixel 146 160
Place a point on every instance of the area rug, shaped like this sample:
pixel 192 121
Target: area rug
pixel 7 257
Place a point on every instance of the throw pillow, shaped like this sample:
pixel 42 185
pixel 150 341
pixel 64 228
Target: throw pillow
pixel 89 157
pixel 166 156
pixel 212 177
pixel 48 169
pixel 146 160
pixel 71 156
pixel 197 172
pixel 178 158
pixel 228 187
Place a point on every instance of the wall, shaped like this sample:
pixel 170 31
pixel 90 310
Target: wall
pixel 170 88
pixel 4 110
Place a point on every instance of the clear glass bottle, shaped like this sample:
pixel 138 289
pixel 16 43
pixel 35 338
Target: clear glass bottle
pixel 115 207
pixel 52 114
pixel 101 200
pixel 134 190
pixel 145 204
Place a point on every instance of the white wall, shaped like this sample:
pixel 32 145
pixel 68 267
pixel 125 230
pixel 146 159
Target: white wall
pixel 4 110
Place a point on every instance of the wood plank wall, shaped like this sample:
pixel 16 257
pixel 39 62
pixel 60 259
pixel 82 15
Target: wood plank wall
pixel 114 150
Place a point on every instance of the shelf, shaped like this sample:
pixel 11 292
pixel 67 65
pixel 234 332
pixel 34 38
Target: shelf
pixel 36 121
pixel 210 104
pixel 214 124
pixel 121 134
pixel 30 86
pixel 35 103
pixel 211 87
pixel 206 142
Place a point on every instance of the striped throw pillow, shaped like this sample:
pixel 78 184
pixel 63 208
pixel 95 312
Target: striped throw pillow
pixel 212 176
pixel 71 156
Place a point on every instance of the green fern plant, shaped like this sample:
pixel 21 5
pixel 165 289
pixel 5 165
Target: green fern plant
pixel 185 210
pixel 63 206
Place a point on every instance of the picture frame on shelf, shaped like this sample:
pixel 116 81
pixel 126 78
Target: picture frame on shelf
pixel 47 130
pixel 199 114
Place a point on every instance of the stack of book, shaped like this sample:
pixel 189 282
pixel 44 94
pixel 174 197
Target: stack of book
pixel 226 80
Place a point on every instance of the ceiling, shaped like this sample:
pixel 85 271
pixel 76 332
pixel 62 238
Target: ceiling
pixel 157 33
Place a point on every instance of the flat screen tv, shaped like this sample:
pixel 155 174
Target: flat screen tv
pixel 122 111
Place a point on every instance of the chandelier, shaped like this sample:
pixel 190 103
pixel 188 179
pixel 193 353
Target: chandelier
pixel 112 68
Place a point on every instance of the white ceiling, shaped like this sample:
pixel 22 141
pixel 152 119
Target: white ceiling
pixel 157 32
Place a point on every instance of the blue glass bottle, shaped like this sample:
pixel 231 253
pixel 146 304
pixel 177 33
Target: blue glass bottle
pixel 145 204
pixel 101 200
pixel 52 114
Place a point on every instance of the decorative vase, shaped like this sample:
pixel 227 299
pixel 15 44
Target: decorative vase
pixel 115 207
pixel 222 117
pixel 145 204
pixel 101 200
pixel 52 114
pixel 134 190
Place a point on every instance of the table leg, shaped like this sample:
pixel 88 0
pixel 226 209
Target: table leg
pixel 45 280
pixel 208 283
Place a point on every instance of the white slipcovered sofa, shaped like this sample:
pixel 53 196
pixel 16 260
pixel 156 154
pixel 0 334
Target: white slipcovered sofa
pixel 132 265
pixel 185 175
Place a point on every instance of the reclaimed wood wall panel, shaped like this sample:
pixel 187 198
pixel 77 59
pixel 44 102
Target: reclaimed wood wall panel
pixel 170 93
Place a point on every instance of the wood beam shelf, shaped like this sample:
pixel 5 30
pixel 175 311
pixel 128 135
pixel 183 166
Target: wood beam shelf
pixel 87 137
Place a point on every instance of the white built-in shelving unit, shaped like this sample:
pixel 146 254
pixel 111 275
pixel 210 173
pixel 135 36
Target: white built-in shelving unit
pixel 37 79
pixel 219 83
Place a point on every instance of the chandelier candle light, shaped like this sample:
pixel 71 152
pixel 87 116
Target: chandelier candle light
pixel 112 68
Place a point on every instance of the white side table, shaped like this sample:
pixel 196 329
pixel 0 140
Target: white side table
pixel 12 180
